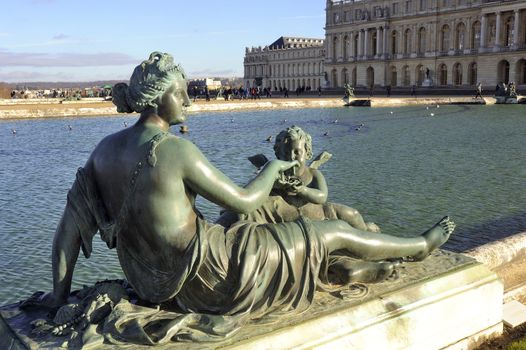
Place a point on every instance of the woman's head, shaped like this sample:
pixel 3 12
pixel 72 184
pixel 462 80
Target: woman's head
pixel 149 81
pixel 293 144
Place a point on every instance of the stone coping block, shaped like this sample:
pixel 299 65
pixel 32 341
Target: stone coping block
pixel 501 252
pixel 457 310
pixel 447 301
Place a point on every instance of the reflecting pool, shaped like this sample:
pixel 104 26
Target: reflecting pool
pixel 403 169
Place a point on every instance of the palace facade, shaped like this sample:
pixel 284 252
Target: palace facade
pixel 425 42
pixel 288 62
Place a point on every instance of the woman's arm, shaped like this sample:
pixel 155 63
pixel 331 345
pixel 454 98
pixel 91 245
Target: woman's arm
pixel 316 192
pixel 208 181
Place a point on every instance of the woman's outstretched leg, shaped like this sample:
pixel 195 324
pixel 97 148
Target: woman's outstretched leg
pixel 339 235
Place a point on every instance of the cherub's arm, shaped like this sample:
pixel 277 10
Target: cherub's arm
pixel 316 192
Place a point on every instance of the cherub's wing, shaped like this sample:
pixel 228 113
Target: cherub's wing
pixel 258 160
pixel 321 159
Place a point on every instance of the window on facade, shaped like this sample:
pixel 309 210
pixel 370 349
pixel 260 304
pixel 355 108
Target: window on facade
pixel 373 43
pixel 422 40
pixel 422 6
pixel 407 41
pixel 358 14
pixel 355 46
pixel 457 74
pixel 473 73
pixel 334 76
pixel 445 3
pixel 335 47
pixel 509 32
pixel 345 76
pixel 475 35
pixel 408 6
pixel 522 71
pixel 419 75
pixel 460 34
pixel 444 42
pixel 395 8
pixel 346 44
pixel 492 32
pixel 393 76
pixel 393 42
pixel 443 74
pixel 406 79
pixel 377 12
pixel 336 17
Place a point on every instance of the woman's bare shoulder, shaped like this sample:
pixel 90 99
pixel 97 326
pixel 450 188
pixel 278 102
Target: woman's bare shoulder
pixel 180 145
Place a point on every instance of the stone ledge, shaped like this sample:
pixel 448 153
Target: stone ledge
pixel 447 300
pixel 461 308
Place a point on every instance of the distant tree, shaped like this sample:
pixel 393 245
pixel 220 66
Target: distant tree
pixel 5 91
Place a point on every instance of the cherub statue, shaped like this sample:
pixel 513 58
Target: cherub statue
pixel 304 187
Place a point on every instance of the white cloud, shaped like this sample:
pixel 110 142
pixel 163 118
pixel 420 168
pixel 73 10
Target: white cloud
pixel 207 73
pixel 26 76
pixel 35 59
pixel 60 36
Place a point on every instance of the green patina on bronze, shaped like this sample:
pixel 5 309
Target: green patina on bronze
pixel 138 189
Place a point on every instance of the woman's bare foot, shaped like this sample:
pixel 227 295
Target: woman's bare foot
pixel 349 271
pixel 435 237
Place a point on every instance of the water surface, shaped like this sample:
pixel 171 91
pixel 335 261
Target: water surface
pixel 403 170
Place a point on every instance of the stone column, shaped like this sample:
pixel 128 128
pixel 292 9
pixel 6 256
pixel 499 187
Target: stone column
pixel 328 40
pixel 483 26
pixel 366 43
pixel 435 36
pixel 469 34
pixel 516 29
pixel 385 45
pixel 360 44
pixel 351 46
pixel 465 74
pixel 413 50
pixel 497 45
pixel 378 41
pixel 400 37
pixel 340 51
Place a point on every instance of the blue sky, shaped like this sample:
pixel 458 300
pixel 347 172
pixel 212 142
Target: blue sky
pixel 56 40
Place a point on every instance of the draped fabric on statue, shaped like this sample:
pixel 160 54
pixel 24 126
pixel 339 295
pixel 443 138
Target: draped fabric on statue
pixel 224 279
pixel 271 268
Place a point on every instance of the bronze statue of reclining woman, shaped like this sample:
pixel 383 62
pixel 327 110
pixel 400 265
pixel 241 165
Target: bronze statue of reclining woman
pixel 138 189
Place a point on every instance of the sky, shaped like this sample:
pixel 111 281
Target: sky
pixel 56 40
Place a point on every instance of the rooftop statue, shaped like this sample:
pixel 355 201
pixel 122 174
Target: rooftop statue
pixel 138 189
